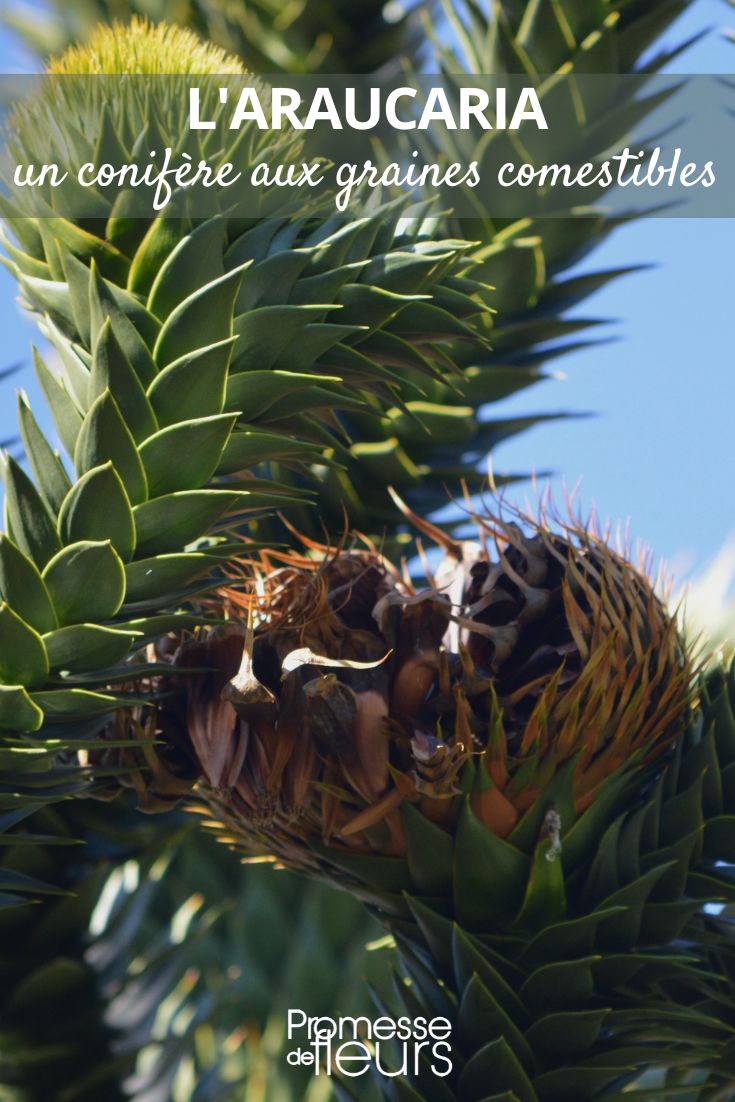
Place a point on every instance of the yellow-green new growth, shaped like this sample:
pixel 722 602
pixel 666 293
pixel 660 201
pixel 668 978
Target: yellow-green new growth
pixel 146 49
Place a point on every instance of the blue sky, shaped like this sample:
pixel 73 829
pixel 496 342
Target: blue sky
pixel 661 450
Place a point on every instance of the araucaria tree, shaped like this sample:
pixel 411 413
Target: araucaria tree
pixel 514 763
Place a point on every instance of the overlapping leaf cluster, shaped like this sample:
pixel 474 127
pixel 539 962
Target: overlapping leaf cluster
pixel 166 413
pixel 568 974
pixel 190 358
pixel 524 259
pixel 527 259
pixel 197 362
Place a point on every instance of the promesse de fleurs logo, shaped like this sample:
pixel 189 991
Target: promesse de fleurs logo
pixel 347 1046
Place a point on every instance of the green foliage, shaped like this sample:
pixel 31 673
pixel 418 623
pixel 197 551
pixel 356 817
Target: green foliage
pixel 601 971
pixel 141 494
pixel 205 369
pixel 526 259
pixel 438 429
pixel 204 372
pixel 146 974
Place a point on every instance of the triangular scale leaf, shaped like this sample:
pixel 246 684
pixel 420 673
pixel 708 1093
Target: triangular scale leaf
pixel 208 310
pixel 255 392
pixel 98 509
pixel 385 873
pixel 84 647
pixel 133 332
pixel 472 958
pixel 193 385
pixel 252 447
pixel 490 875
pixel 86 581
pixel 266 332
pixel 436 931
pixel 23 658
pixel 17 710
pixel 160 239
pixel 186 455
pixel 147 579
pixel 565 940
pixel 30 522
pixel 495 1063
pixel 22 587
pixel 560 984
pixel 104 437
pixel 112 371
pixel 482 1019
pixel 567 1034
pixel 67 418
pixel 546 900
pixel 66 705
pixel 429 853
pixel 197 260
pixel 169 523
pixel 48 470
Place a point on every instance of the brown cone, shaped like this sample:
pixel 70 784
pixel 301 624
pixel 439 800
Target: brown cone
pixel 358 691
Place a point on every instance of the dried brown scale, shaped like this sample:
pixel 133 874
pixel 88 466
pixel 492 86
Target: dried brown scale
pixel 357 692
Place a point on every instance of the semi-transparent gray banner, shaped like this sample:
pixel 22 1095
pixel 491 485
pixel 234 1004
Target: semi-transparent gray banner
pixel 100 147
